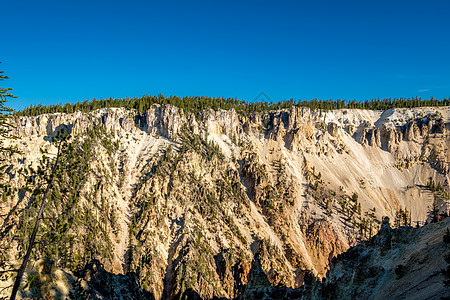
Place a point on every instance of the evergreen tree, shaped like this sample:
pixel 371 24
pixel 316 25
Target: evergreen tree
pixel 197 104
pixel 5 151
pixel 45 195
pixel 434 212
pixel 5 114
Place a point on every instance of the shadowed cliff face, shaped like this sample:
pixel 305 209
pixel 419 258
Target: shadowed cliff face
pixel 403 263
pixel 190 205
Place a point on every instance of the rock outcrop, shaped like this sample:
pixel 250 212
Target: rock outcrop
pixel 217 204
pixel 403 263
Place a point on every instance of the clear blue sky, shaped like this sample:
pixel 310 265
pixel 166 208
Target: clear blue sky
pixel 60 51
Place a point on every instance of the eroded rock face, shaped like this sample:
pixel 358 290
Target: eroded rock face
pixel 165 120
pixel 351 129
pixel 94 282
pixel 403 263
pixel 412 131
pixel 371 137
pixel 372 270
pixel 391 136
pixel 333 129
pixel 325 241
pixel 219 204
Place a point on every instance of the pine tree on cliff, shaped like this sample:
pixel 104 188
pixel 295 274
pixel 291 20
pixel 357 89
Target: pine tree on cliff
pixel 5 125
pixel 39 217
pixel 5 151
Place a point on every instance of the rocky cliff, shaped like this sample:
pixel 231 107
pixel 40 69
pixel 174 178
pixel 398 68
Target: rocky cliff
pixel 188 204
pixel 403 263
pixel 400 263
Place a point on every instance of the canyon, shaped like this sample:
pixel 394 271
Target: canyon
pixel 222 205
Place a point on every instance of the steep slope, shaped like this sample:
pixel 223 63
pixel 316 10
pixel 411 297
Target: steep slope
pixel 403 263
pixel 188 202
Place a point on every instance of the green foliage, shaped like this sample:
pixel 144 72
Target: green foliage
pixel 197 104
pixel 5 125
pixel 194 142
pixel 74 228
pixel 4 111
pixel 402 218
pixel 316 185
pixel 6 190
pixel 433 186
pixel 434 211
